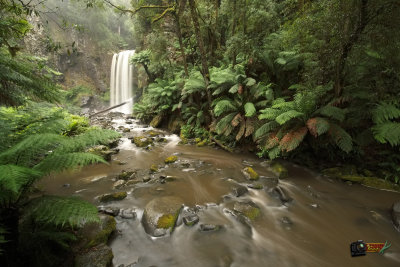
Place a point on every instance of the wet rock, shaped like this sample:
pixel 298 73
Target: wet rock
pixel 94 234
pixel 239 191
pixel 250 173
pixel 256 186
pixel 280 193
pixel 161 213
pixel 125 175
pixel 209 227
pixel 161 140
pixel 146 179
pixel 131 182
pixel 286 221
pixel 119 184
pixel 142 141
pixel 269 182
pixel 155 122
pixel 120 162
pixel 153 168
pixel 396 214
pixel 171 159
pixel 112 211
pixel 202 143
pixel 99 256
pixel 126 130
pixel 66 185
pixel 248 209
pixel 280 170
pixel 191 220
pixel 102 151
pixel 152 133
pixel 170 178
pixel 185 164
pixel 113 196
pixel 314 205
pixel 128 122
pixel 128 214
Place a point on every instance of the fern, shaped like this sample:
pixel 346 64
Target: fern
pixel 269 114
pixel 317 126
pixel 292 139
pixel 288 115
pixel 332 112
pixel 13 178
pixel 60 211
pixel 224 124
pixel 342 139
pixel 388 132
pixel 224 106
pixel 265 129
pixel 385 112
pixel 249 109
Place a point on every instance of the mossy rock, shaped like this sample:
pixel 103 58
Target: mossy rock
pixel 153 168
pixel 156 121
pixel 280 170
pixel 113 196
pixel 100 256
pixel 125 175
pixel 94 234
pixel 126 130
pixel 248 209
pixel 167 221
pixel 373 182
pixel 202 143
pixel 153 133
pixel 250 173
pixel 142 141
pixel 171 159
pixel 102 151
pixel 332 172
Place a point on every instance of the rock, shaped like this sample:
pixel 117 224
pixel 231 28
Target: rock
pixel 125 175
pixel 269 182
pixel 102 151
pixel 153 168
pixel 250 173
pixel 239 191
pixel 286 221
pixel 255 186
pixel 248 209
pixel 171 159
pixel 119 184
pixel 132 182
pixel 120 162
pixel 191 220
pixel 99 256
pixel 66 185
pixel 126 130
pixel 161 213
pixel 209 227
pixel 152 133
pixel 128 214
pixel 112 211
pixel 161 140
pixel 396 214
pixel 128 122
pixel 280 170
pixel 155 122
pixel 202 143
pixel 373 182
pixel 170 178
pixel 94 234
pixel 314 205
pixel 146 179
pixel 142 141
pixel 280 193
pixel 113 196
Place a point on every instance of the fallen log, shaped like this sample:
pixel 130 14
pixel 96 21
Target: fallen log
pixel 222 145
pixel 110 108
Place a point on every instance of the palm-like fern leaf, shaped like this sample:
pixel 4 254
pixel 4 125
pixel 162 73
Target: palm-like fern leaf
pixel 287 116
pixel 342 139
pixel 13 177
pixel 292 139
pixel 250 109
pixel 317 126
pixel 224 106
pixel 385 112
pixel 388 132
pixel 61 211
pixel 332 112
pixel 224 124
pixel 265 129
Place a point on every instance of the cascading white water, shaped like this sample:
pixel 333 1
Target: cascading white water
pixel 121 83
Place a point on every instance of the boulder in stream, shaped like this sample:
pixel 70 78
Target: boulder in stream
pixel 250 173
pixel 396 215
pixel 248 209
pixel 119 184
pixel 99 256
pixel 210 227
pixel 160 215
pixel 239 190
pixel 280 170
pixel 142 141
pixel 113 196
pixel 171 159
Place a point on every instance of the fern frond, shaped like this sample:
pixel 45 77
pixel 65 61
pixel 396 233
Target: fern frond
pixel 269 114
pixel 251 124
pixel 13 177
pixel 287 116
pixel 284 106
pixel 292 139
pixel 237 119
pixel 271 141
pixel 317 126
pixel 60 162
pixel 274 153
pixel 388 132
pixel 224 106
pixel 385 112
pixel 241 130
pixel 60 211
pixel 265 129
pixel 342 139
pixel 224 124
pixel 332 112
pixel 250 109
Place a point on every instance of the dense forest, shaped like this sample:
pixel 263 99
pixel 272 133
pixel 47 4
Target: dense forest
pixel 315 82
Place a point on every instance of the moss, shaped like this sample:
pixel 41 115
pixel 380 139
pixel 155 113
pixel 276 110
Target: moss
pixel 142 141
pixel 352 178
pixel 202 143
pixel 280 170
pixel 380 184
pixel 166 221
pixel 197 140
pixel 251 174
pixel 156 121
pixel 108 226
pixel 171 159
pixel 153 133
pixel 124 175
pixel 252 213
pixel 153 168
pixel 333 172
pixel 113 196
pixel 257 186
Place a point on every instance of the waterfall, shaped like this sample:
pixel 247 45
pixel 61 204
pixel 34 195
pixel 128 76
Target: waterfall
pixel 121 83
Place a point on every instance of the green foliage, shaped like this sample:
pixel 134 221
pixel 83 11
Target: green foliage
pixel 386 129
pixel 143 57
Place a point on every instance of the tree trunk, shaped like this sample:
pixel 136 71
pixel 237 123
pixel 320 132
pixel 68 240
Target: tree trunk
pixel 200 43
pixel 234 31
pixel 149 74
pixel 177 16
pixel 347 46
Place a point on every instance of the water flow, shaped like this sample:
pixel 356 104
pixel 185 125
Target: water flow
pixel 121 81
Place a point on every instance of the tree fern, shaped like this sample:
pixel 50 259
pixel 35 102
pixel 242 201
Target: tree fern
pixel 60 211
pixel 288 115
pixel 384 112
pixel 249 109
pixel 292 139
pixel 265 129
pixel 388 132
pixel 342 139
pixel 332 112
pixel 224 124
pixel 317 126
pixel 224 106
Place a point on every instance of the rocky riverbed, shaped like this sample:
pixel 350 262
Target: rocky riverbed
pixel 184 205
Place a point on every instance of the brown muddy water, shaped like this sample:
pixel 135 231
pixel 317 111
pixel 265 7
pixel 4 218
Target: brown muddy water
pixel 315 228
